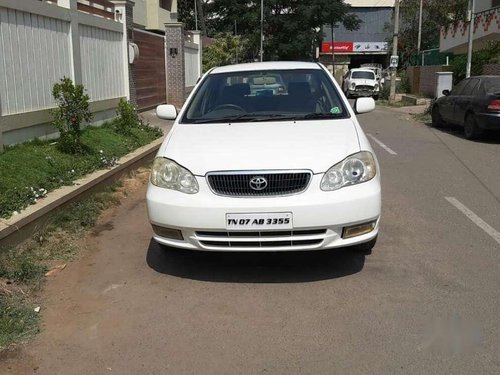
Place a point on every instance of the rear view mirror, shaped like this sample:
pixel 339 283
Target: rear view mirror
pixel 364 105
pixel 166 112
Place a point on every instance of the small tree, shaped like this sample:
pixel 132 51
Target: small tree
pixel 226 50
pixel 71 113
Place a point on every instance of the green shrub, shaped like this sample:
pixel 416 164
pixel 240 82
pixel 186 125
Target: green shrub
pixel 129 122
pixel 405 86
pixel 128 118
pixel 71 113
pixel 479 58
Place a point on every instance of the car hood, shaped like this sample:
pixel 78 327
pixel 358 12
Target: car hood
pixel 314 145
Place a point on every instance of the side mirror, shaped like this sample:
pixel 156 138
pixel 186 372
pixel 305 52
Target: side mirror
pixel 166 112
pixel 364 105
pixel 446 92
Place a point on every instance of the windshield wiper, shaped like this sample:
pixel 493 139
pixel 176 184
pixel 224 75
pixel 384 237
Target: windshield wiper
pixel 312 116
pixel 250 117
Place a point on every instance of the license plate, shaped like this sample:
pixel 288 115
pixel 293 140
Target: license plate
pixel 261 221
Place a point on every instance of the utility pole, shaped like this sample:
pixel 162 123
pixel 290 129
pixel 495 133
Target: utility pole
pixel 471 37
pixel 333 52
pixel 261 30
pixel 419 29
pixel 195 16
pixel 392 95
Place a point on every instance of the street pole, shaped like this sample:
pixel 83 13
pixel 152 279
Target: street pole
pixel 333 52
pixel 195 15
pixel 392 95
pixel 419 29
pixel 261 30
pixel 471 36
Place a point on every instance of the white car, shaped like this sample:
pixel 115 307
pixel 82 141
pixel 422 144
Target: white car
pixel 361 82
pixel 247 172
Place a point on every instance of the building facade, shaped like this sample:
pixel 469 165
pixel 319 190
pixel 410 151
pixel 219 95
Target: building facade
pixel 368 44
pixel 454 38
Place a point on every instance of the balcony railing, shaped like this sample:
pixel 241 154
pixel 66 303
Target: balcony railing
pixel 103 8
pixel 486 25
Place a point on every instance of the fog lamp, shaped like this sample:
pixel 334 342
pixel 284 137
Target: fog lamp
pixel 173 234
pixel 358 229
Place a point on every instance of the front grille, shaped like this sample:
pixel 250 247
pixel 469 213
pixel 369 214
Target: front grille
pixel 261 240
pixel 364 88
pixel 278 183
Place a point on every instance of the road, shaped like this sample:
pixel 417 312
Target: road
pixel 426 301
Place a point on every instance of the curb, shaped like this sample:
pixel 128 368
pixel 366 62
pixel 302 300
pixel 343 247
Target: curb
pixel 22 226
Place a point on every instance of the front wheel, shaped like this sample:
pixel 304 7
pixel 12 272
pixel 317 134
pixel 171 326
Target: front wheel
pixel 375 97
pixel 471 130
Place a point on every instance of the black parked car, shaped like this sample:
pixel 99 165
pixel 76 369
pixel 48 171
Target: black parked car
pixel 474 103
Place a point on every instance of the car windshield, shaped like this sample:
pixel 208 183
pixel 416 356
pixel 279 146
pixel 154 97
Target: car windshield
pixel 269 95
pixel 363 75
pixel 492 85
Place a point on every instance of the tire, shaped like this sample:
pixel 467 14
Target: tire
pixel 365 248
pixel 437 120
pixel 375 97
pixel 471 130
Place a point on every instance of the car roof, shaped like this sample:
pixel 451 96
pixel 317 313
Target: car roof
pixel 268 65
pixel 362 70
pixel 485 77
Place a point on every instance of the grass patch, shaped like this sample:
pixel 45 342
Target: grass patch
pixel 30 170
pixel 22 268
pixel 18 320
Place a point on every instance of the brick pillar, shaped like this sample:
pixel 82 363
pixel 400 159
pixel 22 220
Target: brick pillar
pixel 174 61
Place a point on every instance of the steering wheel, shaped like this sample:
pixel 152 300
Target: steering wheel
pixel 229 106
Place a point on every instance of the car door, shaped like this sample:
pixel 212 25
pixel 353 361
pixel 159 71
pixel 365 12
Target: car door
pixel 447 106
pixel 463 101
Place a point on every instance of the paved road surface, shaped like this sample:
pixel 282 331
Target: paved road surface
pixel 427 300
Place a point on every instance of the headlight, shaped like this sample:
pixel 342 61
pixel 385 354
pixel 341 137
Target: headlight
pixel 170 175
pixel 353 170
pixel 376 87
pixel 353 85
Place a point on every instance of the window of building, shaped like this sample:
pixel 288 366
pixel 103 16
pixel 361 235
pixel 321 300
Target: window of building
pixel 166 4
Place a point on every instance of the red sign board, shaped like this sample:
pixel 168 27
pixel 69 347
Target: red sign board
pixel 339 47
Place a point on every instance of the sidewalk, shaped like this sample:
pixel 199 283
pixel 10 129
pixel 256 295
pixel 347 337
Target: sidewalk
pixel 21 226
pixel 150 117
pixel 410 110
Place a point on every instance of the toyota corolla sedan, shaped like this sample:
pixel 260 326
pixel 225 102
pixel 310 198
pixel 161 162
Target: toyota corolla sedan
pixel 243 171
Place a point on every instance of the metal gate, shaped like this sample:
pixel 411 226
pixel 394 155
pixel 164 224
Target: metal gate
pixel 149 69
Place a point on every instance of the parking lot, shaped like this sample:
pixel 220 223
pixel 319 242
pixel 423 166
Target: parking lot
pixel 425 301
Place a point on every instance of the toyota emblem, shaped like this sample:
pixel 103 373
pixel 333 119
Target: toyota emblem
pixel 258 183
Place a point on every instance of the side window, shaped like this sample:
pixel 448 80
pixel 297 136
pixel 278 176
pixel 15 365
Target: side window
pixel 470 89
pixel 457 90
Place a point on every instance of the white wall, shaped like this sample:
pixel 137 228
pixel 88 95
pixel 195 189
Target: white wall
pixel 102 70
pixel 191 63
pixel 40 43
pixel 34 54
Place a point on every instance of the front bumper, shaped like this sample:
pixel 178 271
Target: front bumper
pixel 324 214
pixel 363 92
